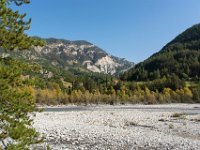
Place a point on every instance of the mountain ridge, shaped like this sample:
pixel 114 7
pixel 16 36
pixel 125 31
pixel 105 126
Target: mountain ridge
pixel 80 53
pixel 180 57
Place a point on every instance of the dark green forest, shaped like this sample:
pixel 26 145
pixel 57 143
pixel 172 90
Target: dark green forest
pixel 180 57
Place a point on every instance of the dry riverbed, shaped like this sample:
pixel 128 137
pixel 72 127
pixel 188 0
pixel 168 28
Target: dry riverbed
pixel 173 126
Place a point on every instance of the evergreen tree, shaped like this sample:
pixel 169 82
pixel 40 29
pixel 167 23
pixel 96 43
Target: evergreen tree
pixel 12 27
pixel 16 105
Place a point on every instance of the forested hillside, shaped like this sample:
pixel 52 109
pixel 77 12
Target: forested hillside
pixel 170 75
pixel 180 57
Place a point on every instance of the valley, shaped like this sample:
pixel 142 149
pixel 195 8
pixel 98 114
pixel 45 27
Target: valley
pixel 60 94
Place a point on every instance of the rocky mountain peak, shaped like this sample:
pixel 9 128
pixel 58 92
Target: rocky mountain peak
pixel 65 54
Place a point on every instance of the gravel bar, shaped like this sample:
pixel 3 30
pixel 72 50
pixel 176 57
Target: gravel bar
pixel 120 127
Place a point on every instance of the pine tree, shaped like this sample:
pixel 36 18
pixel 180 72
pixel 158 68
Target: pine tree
pixel 12 27
pixel 16 105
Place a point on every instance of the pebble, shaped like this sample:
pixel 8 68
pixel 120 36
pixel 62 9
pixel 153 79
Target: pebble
pixel 103 128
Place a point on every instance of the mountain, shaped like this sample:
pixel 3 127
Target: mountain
pixel 75 54
pixel 180 57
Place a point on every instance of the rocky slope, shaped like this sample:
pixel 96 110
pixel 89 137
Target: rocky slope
pixel 66 54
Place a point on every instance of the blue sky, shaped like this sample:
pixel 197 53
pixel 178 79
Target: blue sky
pixel 131 29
